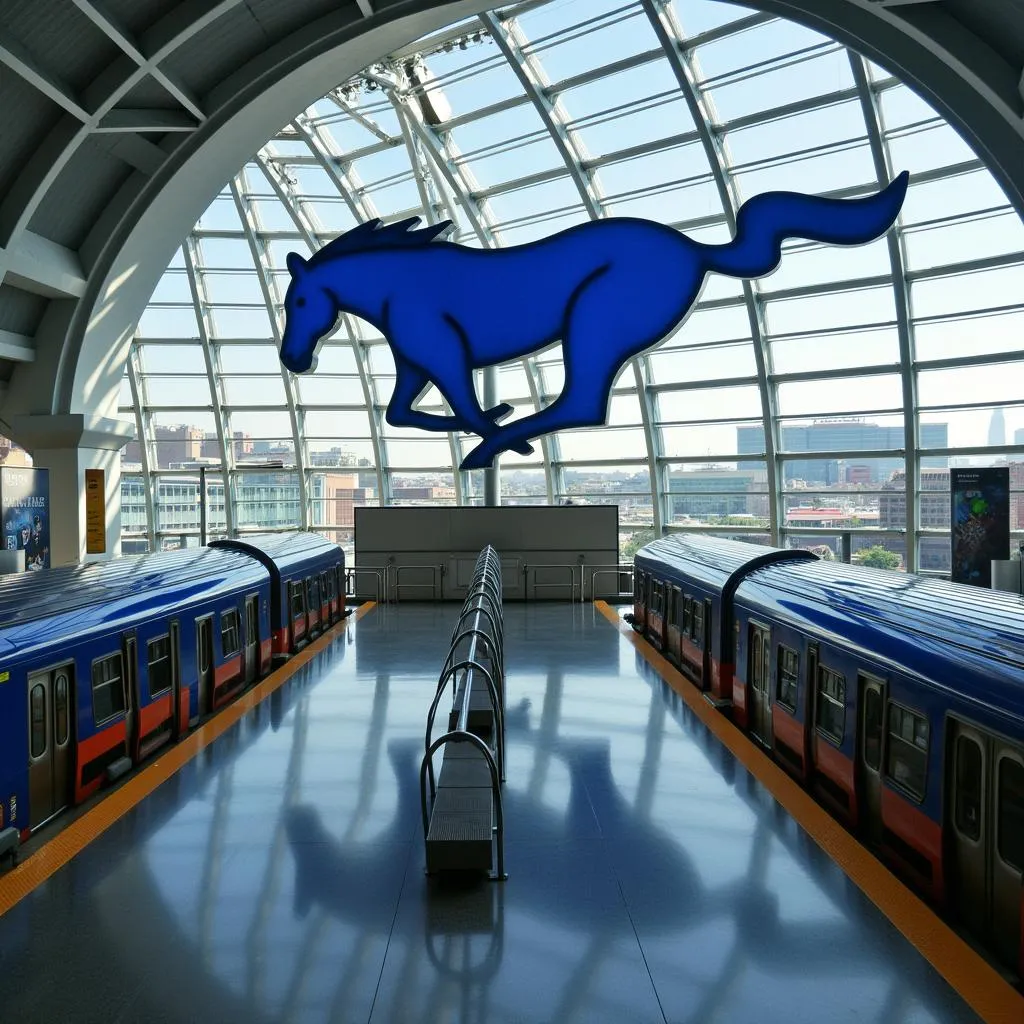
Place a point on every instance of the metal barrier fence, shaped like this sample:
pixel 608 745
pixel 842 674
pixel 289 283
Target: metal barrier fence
pixel 622 571
pixel 475 656
pixel 571 584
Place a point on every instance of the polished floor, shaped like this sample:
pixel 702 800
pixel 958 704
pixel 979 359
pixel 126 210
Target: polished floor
pixel 279 875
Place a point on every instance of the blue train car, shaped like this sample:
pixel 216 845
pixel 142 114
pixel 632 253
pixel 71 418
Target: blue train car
pixel 307 583
pixel 104 663
pixel 682 589
pixel 899 701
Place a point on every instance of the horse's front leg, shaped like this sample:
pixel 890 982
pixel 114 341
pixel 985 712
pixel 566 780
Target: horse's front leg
pixel 442 355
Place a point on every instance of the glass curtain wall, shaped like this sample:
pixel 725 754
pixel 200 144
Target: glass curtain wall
pixel 829 398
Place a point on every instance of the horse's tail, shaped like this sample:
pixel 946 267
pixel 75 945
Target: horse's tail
pixel 764 221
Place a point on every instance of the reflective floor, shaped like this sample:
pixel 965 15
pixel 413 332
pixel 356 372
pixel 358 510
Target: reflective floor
pixel 279 876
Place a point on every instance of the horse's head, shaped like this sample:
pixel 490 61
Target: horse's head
pixel 310 312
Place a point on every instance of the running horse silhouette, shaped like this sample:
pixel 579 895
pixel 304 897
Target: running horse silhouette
pixel 607 290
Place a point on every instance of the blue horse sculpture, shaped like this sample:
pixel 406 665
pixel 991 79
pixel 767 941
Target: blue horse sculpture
pixel 607 290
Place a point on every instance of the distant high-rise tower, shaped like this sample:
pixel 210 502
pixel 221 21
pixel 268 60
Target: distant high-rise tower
pixel 997 428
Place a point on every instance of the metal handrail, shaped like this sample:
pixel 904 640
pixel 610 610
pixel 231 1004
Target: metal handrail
pixel 431 586
pixel 379 576
pixel 618 569
pixel 539 586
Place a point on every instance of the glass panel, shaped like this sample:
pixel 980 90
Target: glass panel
pixel 831 704
pixel 159 665
pixel 872 728
pixel 37 732
pixel 789 673
pixel 907 756
pixel 1010 812
pixel 968 787
pixel 60 697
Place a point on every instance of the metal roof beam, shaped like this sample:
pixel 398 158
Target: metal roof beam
pixel 18 348
pixel 38 265
pixel 670 35
pixel 881 159
pixel 21 62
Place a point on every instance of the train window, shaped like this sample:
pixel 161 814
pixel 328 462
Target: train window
pixel 789 668
pixel 872 727
pixel 697 631
pixel 298 600
pixel 1011 812
pixel 60 701
pixel 831 718
pixel 314 593
pixel 229 633
pixel 687 615
pixel 158 660
pixel 37 711
pixel 907 760
pixel 968 788
pixel 107 688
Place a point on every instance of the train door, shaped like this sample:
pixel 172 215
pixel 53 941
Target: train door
pixel 49 742
pixel 986 779
pixel 704 639
pixel 871 733
pixel 759 671
pixel 252 638
pixel 179 718
pixel 204 663
pixel 674 623
pixel 810 706
pixel 131 679
pixel 326 609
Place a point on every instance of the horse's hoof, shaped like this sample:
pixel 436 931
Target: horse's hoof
pixel 496 412
pixel 479 458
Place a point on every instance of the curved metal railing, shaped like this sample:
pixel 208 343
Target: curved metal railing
pixel 476 652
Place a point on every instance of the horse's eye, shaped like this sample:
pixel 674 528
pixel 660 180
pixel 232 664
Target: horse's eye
pixel 300 301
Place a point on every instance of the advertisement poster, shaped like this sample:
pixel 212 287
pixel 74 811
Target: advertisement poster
pixel 95 513
pixel 980 522
pixel 25 506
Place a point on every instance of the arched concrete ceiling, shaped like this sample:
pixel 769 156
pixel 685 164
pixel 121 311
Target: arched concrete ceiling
pixel 124 118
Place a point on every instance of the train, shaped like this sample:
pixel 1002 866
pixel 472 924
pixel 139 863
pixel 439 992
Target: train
pixel 897 700
pixel 102 664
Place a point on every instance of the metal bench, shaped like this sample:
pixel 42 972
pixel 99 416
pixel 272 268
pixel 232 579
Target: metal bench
pixel 461 807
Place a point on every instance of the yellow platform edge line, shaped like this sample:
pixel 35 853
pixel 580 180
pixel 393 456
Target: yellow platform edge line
pixel 977 982
pixel 51 857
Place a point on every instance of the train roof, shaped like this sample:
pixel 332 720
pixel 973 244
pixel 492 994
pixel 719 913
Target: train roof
pixel 284 550
pixel 911 620
pixel 713 560
pixel 72 599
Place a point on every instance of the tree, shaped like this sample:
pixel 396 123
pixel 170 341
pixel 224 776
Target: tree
pixel 878 557
pixel 637 541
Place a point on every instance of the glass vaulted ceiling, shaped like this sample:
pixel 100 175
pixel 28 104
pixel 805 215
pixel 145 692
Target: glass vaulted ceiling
pixel 830 397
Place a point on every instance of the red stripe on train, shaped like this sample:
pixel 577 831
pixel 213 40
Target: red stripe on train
pixel 281 641
pixel 919 832
pixel 95 746
pixel 789 730
pixel 231 668
pixel 838 768
pixel 153 715
pixel 183 709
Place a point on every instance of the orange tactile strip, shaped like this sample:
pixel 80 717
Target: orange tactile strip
pixel 978 983
pixel 34 870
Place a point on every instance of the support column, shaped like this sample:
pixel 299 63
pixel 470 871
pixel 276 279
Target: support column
pixel 492 476
pixel 68 445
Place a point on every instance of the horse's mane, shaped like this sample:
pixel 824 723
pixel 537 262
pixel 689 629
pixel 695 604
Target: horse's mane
pixel 374 234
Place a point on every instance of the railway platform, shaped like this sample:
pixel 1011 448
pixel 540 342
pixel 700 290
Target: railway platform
pixel 271 866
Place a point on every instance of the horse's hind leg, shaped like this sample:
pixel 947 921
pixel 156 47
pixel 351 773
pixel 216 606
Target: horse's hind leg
pixel 599 339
